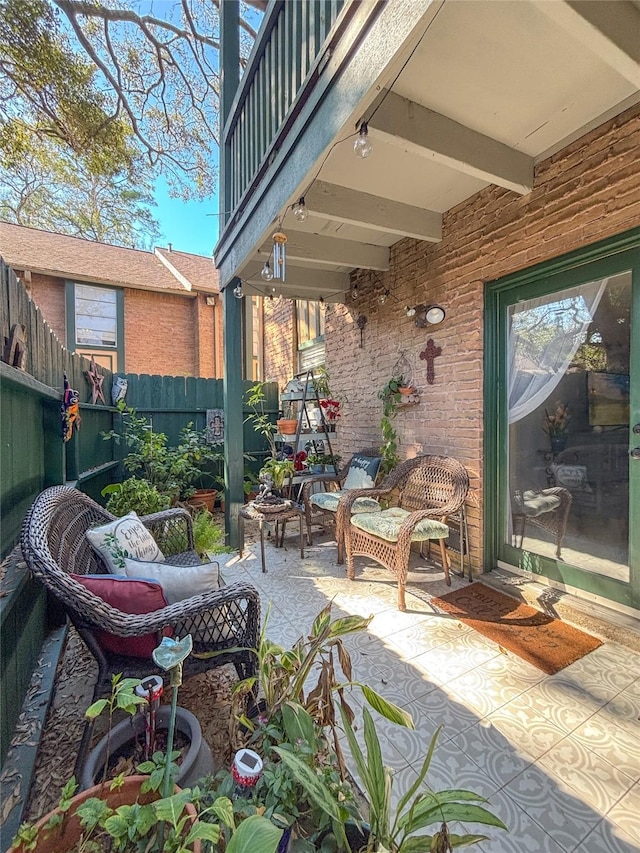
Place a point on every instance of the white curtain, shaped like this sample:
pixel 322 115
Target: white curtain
pixel 544 335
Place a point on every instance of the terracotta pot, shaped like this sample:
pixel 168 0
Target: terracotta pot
pixel 203 496
pixel 67 834
pixel 406 390
pixel 287 426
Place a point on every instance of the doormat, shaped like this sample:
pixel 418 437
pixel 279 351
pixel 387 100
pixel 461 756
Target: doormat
pixel 547 643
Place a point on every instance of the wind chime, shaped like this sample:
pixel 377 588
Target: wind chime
pixel 279 255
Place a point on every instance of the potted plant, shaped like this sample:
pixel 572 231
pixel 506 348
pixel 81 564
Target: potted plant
pixel 315 462
pixel 134 494
pixel 556 425
pixel 390 396
pixel 399 830
pixel 288 423
pixel 330 462
pixel 260 419
pixel 278 470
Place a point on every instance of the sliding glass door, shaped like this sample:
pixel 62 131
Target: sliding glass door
pixel 565 427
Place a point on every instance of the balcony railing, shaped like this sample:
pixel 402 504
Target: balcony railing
pixel 286 60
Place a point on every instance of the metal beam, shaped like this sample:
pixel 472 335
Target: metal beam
pixel 318 249
pixel 233 400
pixel 609 30
pixel 420 131
pixel 340 204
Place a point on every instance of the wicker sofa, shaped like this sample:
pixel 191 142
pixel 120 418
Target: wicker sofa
pixel 55 547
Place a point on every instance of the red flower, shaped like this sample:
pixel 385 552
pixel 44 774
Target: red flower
pixel 332 408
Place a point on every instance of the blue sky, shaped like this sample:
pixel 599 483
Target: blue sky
pixel 187 225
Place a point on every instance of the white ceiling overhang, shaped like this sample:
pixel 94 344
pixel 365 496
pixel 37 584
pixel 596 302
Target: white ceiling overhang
pixel 492 87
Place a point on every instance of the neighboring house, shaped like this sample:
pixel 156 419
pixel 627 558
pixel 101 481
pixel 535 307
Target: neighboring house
pixel 136 312
pixel 502 185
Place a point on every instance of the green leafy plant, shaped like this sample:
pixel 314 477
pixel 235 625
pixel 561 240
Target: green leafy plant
pixel 208 535
pixel 174 471
pixel 390 396
pixel 284 677
pixel 278 470
pixel 261 420
pixel 396 831
pixel 134 494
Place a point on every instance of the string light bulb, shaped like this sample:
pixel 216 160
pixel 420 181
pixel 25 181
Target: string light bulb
pixel 354 292
pixel 300 211
pixel 411 312
pixel 321 300
pixel 267 273
pixel 237 291
pixel 384 296
pixel 362 144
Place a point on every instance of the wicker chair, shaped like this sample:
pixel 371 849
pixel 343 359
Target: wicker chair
pixel 54 545
pixel 428 489
pixel 331 483
pixel 547 509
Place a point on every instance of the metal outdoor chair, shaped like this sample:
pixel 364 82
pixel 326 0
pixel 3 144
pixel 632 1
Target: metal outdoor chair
pixel 422 493
pixel 55 546
pixel 333 484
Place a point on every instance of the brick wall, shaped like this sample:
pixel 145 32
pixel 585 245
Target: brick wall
pixel 47 292
pixel 207 328
pixel 279 341
pixel 586 192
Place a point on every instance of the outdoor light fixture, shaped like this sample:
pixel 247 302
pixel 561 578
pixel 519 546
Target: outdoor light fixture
pixel 362 144
pixel 427 315
pixel 267 272
pixel 300 211
pixel 237 291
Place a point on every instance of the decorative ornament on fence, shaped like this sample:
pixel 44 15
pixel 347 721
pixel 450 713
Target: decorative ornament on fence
pixel 428 354
pixel 69 411
pixel 15 347
pixel 215 426
pixel 96 381
pixel 119 389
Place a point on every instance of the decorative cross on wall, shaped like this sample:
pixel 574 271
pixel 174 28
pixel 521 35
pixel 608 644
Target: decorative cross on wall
pixel 428 354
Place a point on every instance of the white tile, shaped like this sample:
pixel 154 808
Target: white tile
pixel 626 813
pixel 595 780
pixel 524 835
pixel 608 838
pixel 450 660
pixel 617 745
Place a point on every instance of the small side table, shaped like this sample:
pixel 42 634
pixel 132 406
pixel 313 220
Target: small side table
pixel 250 512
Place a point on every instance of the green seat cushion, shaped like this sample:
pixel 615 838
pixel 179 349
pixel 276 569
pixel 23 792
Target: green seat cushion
pixel 329 501
pixel 534 504
pixel 386 525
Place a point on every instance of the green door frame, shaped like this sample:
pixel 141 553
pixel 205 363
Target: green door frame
pixel 606 257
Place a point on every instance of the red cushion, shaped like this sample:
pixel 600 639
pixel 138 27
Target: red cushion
pixel 130 596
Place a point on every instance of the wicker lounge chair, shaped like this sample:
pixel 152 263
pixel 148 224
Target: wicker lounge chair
pixel 55 546
pixel 423 492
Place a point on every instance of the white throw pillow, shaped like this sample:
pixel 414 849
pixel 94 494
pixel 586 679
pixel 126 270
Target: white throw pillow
pixel 122 538
pixel 177 582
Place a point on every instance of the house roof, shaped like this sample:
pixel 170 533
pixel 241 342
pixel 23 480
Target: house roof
pixel 86 260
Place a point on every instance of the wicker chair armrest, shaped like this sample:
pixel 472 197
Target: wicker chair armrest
pixel 172 529
pixel 347 500
pixel 409 524
pixel 96 613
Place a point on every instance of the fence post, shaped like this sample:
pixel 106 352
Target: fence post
pixel 233 406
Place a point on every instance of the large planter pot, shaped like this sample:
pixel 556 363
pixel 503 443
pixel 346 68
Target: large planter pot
pixel 198 761
pixel 67 834
pixel 203 496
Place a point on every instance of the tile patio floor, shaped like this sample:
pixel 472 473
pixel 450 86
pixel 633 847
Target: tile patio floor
pixel 557 756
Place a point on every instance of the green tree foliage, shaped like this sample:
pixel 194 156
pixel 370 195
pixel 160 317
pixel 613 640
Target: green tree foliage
pixel 104 78
pixel 51 189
